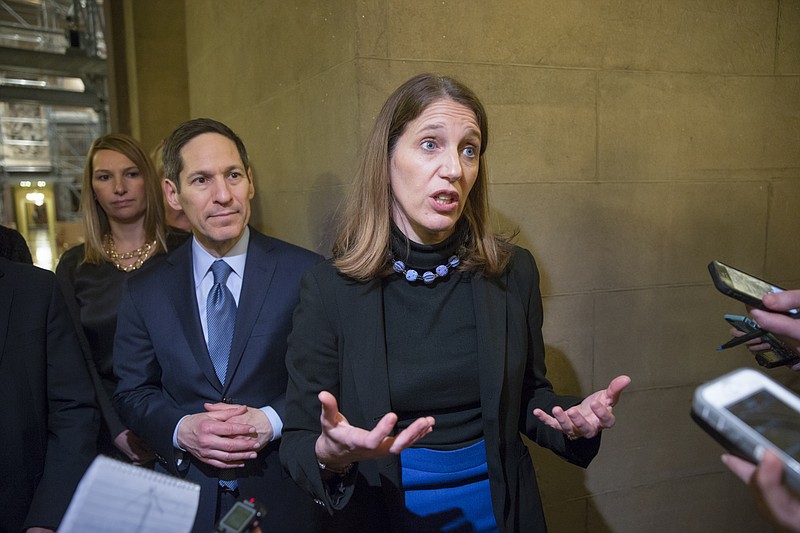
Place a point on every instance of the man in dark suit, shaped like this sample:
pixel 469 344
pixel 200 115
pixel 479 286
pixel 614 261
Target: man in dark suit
pixel 216 424
pixel 51 423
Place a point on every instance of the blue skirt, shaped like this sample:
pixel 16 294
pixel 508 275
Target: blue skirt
pixel 447 490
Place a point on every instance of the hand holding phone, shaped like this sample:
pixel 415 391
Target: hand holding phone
pixel 745 287
pixel 777 502
pixel 784 328
pixel 747 412
pixel 770 352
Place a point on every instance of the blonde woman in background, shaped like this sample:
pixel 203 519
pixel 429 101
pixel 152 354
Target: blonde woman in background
pixel 123 220
pixel 178 226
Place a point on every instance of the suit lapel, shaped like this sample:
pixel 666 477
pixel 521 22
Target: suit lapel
pixel 258 281
pixel 180 287
pixel 491 315
pixel 489 297
pixel 6 297
pixel 368 364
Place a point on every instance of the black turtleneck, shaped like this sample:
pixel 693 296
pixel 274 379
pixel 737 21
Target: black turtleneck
pixel 432 345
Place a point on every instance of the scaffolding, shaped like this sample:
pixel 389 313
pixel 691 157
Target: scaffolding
pixel 53 102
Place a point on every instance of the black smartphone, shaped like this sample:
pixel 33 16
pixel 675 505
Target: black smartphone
pixel 744 287
pixel 778 355
pixel 241 517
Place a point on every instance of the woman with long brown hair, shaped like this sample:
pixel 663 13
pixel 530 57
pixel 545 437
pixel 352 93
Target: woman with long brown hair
pixel 420 342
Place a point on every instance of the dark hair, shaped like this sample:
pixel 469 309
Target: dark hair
pixel 361 247
pixel 13 246
pixel 173 163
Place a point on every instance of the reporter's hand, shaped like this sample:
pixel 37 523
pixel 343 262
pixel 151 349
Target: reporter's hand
pixel 137 450
pixel 341 444
pixel 215 440
pixel 786 328
pixel 775 500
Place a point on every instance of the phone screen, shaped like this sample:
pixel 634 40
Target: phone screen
pixel 746 284
pixel 238 517
pixel 749 285
pixel 772 418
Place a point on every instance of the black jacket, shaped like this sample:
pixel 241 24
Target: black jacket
pixel 338 345
pixel 51 421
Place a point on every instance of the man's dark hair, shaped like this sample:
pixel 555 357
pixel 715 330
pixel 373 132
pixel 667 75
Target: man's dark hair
pixel 173 163
pixel 13 246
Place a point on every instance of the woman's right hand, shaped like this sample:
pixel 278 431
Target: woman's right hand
pixel 135 448
pixel 341 444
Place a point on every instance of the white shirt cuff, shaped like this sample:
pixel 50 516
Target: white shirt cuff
pixel 275 420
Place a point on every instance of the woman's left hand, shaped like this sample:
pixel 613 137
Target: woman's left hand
pixel 590 416
pixel 137 450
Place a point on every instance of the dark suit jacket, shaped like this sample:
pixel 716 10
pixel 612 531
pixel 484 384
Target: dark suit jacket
pixel 165 372
pixel 51 421
pixel 338 344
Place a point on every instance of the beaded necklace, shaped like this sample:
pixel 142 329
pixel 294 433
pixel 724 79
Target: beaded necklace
pixel 454 246
pixel 428 276
pixel 140 254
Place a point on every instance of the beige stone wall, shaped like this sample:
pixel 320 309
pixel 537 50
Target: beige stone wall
pixel 632 141
pixel 155 50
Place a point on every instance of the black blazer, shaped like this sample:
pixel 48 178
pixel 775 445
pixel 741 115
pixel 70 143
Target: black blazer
pixel 51 421
pixel 165 372
pixel 338 345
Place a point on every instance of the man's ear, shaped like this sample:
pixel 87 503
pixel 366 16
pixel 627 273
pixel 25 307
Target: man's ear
pixel 171 194
pixel 252 187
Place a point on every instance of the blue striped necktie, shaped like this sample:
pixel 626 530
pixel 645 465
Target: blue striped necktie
pixel 220 319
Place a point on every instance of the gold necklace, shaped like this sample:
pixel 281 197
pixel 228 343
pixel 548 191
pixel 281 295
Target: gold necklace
pixel 140 254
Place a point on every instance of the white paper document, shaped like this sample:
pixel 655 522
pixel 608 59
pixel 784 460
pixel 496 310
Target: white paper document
pixel 117 497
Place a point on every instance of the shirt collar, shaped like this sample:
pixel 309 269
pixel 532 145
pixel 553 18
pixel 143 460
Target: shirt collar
pixel 236 257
